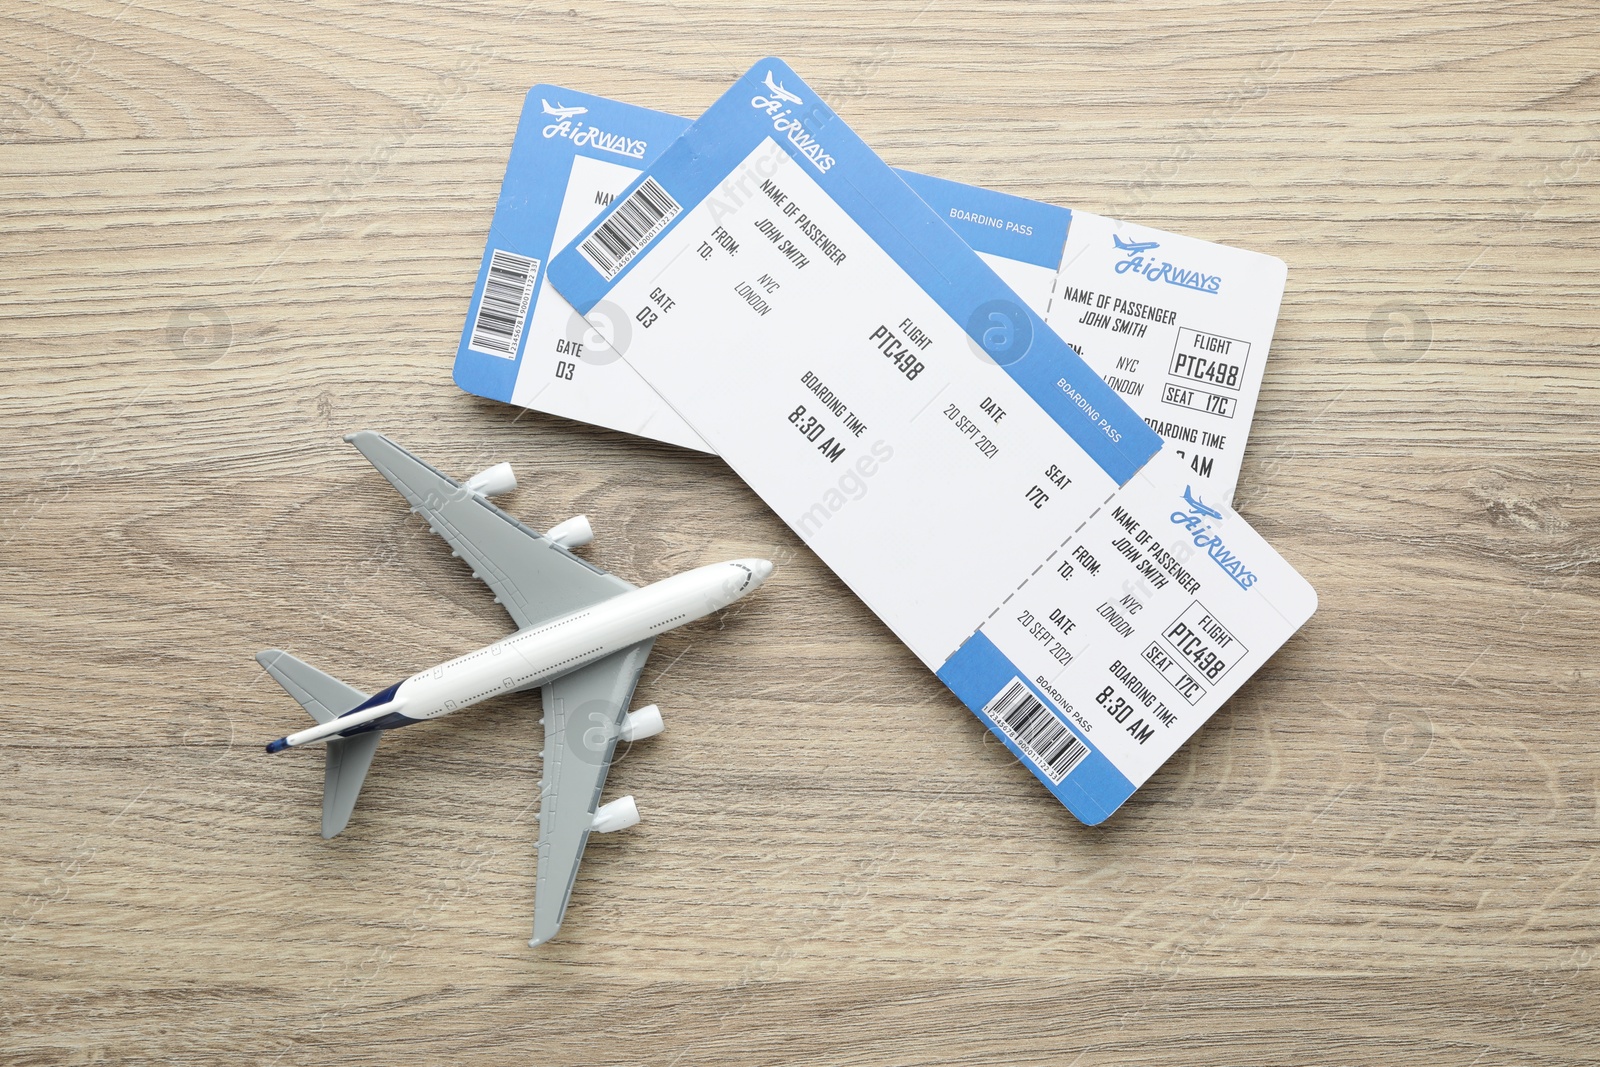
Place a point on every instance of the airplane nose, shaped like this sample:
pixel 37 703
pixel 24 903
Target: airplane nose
pixel 759 568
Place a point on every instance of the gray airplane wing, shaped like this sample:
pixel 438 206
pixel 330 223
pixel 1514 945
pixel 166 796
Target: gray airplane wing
pixel 325 698
pixel 583 713
pixel 535 579
pixel 532 577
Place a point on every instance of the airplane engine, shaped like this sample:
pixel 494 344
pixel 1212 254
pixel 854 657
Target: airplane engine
pixel 574 533
pixel 638 725
pixel 617 815
pixel 493 481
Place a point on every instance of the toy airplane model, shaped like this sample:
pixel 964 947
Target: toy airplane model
pixel 582 637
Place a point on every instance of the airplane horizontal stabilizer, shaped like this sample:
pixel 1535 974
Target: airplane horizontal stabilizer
pixel 324 697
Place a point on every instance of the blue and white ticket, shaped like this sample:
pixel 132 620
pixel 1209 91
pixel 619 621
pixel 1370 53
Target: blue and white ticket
pixel 994 501
pixel 1179 326
pixel 523 343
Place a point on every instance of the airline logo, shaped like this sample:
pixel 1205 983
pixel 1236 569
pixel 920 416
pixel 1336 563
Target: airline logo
pixel 1198 521
pixel 780 108
pixel 778 91
pixel 562 112
pixel 582 134
pixel 1130 247
pixel 1159 270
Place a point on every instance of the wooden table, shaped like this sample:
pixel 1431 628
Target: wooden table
pixel 230 237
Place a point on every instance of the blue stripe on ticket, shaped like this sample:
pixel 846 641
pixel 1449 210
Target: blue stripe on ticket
pixel 1036 730
pixel 771 102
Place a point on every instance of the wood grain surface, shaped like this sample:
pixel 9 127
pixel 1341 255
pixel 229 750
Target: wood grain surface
pixel 228 237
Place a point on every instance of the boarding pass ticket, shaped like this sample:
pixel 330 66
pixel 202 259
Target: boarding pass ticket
pixel 1179 326
pixel 994 501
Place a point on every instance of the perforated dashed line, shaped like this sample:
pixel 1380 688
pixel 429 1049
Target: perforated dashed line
pixel 1051 556
pixel 1055 283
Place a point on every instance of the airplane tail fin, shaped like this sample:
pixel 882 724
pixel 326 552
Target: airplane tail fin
pixel 325 698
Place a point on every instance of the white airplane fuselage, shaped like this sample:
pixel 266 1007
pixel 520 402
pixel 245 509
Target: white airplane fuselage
pixel 538 654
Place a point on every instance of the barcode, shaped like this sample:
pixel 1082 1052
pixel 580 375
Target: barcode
pixel 504 308
pixel 641 215
pixel 1036 730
